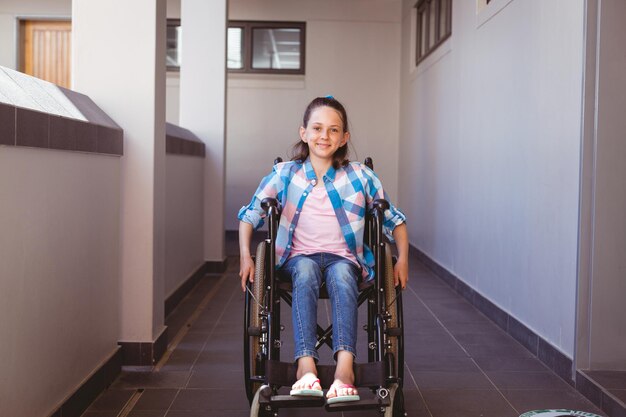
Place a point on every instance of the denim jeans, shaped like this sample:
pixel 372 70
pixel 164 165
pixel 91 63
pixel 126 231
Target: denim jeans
pixel 341 275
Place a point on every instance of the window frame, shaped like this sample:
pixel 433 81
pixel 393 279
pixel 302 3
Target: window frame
pixel 247 45
pixel 423 8
pixel 172 22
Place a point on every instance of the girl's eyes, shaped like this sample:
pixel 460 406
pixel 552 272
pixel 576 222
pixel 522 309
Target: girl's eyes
pixel 317 129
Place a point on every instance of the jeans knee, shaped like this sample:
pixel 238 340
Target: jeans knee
pixel 343 278
pixel 305 273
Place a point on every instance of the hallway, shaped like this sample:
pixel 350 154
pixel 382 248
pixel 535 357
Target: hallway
pixel 458 363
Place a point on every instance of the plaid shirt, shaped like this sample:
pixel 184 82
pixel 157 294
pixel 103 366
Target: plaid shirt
pixel 351 190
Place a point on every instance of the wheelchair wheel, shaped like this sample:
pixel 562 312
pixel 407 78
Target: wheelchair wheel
pixel 255 407
pixel 255 321
pixel 396 396
pixel 393 304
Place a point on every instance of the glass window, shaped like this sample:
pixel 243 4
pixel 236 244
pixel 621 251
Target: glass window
pixel 173 47
pixel 434 26
pixel 235 48
pixel 266 47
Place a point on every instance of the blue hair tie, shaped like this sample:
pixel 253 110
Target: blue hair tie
pixel 329 97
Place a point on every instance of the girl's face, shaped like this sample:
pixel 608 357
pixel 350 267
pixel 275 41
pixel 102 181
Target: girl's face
pixel 324 133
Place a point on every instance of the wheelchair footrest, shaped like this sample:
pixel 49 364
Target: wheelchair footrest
pixel 283 374
pixel 288 401
pixel 362 404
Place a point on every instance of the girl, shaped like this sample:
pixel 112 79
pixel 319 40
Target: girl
pixel 324 199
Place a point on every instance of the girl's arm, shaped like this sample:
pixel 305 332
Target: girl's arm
pixel 401 269
pixel 246 268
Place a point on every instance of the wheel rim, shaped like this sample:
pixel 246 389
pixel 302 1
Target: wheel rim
pixel 255 314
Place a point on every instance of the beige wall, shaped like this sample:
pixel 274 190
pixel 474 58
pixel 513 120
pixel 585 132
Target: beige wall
pixel 59 289
pixel 184 250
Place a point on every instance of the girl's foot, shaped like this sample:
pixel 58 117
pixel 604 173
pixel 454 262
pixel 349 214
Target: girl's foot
pixel 341 392
pixel 307 385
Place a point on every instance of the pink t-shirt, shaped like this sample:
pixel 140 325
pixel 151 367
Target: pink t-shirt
pixel 318 229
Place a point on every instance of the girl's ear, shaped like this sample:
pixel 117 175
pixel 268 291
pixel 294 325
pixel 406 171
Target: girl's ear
pixel 303 134
pixel 346 138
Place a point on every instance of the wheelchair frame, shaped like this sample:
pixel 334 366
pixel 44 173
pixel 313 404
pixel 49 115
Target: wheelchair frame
pixel 384 371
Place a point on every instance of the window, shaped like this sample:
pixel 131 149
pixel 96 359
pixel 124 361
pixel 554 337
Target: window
pixel 266 47
pixel 172 53
pixel 434 26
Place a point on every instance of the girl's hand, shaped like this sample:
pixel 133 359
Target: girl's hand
pixel 401 272
pixel 246 270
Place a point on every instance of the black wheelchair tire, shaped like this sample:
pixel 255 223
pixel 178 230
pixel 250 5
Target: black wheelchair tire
pixel 258 291
pixel 393 307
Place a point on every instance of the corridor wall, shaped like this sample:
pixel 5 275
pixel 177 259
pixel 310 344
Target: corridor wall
pixel 59 261
pixel 490 150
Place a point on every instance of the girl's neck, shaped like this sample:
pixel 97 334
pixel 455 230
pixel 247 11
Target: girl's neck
pixel 320 166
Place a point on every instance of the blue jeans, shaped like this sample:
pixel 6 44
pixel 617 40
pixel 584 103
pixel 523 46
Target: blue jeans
pixel 341 275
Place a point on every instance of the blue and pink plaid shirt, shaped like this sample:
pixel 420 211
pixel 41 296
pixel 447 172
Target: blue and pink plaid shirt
pixel 351 189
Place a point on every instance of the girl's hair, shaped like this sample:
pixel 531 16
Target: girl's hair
pixel 300 150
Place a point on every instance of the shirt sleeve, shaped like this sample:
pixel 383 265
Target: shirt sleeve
pixel 271 186
pixel 374 190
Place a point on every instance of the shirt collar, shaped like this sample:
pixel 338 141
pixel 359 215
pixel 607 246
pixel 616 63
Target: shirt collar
pixel 310 172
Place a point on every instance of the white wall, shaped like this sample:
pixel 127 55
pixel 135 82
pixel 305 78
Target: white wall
pixel 11 10
pixel 184 252
pixel 352 52
pixel 489 148
pixel 59 290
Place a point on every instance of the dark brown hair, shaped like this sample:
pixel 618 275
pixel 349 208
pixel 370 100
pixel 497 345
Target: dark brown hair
pixel 300 151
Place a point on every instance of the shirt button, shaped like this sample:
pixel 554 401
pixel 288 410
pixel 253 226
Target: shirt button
pixel 288 246
pixel 297 212
pixel 304 193
pixel 291 228
pixel 314 182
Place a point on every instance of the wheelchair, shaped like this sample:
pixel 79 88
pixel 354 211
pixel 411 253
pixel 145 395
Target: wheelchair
pixel 383 373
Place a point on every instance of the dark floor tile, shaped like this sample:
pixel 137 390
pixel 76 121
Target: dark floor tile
pixel 540 399
pixel 89 413
pixel 111 399
pixel 210 400
pixel 155 399
pixel 512 350
pixel 180 360
pixel 467 403
pixel 503 363
pixel 222 413
pixel 433 346
pixel 171 379
pixel 441 364
pixel 527 380
pixel 482 327
pixel 151 413
pixel 495 338
pixel 220 378
pixel 451 380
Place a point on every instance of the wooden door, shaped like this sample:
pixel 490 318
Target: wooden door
pixel 46 50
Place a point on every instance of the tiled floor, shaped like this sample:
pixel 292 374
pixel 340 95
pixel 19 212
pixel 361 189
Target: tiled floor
pixel 458 363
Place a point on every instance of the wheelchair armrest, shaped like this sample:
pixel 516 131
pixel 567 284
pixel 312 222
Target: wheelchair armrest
pixel 269 202
pixel 380 204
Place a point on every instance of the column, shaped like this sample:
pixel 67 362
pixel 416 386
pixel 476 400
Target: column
pixel 118 59
pixel 203 107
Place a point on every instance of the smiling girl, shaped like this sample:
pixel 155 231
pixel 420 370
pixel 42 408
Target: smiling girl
pixel 324 199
